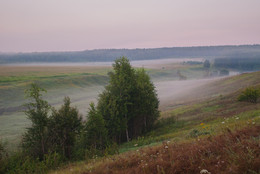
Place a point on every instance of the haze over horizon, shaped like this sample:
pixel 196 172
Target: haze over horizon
pixel 66 25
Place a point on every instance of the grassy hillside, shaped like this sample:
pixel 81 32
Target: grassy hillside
pixel 215 133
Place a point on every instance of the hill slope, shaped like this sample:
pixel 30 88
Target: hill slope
pixel 217 134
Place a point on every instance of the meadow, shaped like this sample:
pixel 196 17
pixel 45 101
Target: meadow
pixel 81 82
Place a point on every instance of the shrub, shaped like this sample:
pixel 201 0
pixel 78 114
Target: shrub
pixel 250 95
pixel 2 151
pixel 23 164
pixel 206 64
pixel 224 72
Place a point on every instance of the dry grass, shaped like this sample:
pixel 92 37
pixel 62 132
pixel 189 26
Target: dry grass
pixel 231 152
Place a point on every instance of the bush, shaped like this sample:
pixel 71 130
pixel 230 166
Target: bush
pixel 23 164
pixel 2 151
pixel 224 72
pixel 250 95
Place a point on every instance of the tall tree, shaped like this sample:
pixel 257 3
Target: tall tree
pixel 146 104
pixel 96 132
pixel 35 139
pixel 206 64
pixel 115 102
pixel 123 96
pixel 65 124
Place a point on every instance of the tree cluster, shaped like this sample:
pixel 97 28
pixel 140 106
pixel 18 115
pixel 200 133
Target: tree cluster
pixel 206 64
pixel 127 108
pixel 129 103
pixel 50 133
pixel 243 62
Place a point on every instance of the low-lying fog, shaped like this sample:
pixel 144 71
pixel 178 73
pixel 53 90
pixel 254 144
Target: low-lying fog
pixel 171 93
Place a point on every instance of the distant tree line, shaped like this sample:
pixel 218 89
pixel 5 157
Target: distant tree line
pixel 133 54
pixel 127 108
pixel 238 63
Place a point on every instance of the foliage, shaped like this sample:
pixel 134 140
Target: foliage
pixel 248 62
pixel 206 64
pixel 50 134
pixel 223 72
pixel 129 104
pixel 35 139
pixel 23 164
pixel 2 151
pixel 3 155
pixel 250 95
pixel 64 126
pixel 146 104
pixel 96 132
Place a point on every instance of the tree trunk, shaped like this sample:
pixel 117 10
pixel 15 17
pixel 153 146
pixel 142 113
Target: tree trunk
pixel 127 137
pixel 126 130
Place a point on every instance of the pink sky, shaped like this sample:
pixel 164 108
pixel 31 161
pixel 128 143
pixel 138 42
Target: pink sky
pixel 68 25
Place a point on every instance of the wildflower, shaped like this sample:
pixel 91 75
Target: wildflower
pixel 237 118
pixel 166 147
pixel 168 142
pixel 204 171
pixel 136 145
pixel 222 122
pixel 253 122
pixel 204 127
pixel 201 124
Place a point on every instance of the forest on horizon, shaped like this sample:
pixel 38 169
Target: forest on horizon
pixel 108 55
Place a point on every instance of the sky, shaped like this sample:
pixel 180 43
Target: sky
pixel 73 25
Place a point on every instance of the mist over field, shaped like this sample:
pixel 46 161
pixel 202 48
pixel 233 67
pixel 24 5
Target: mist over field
pixel 81 82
